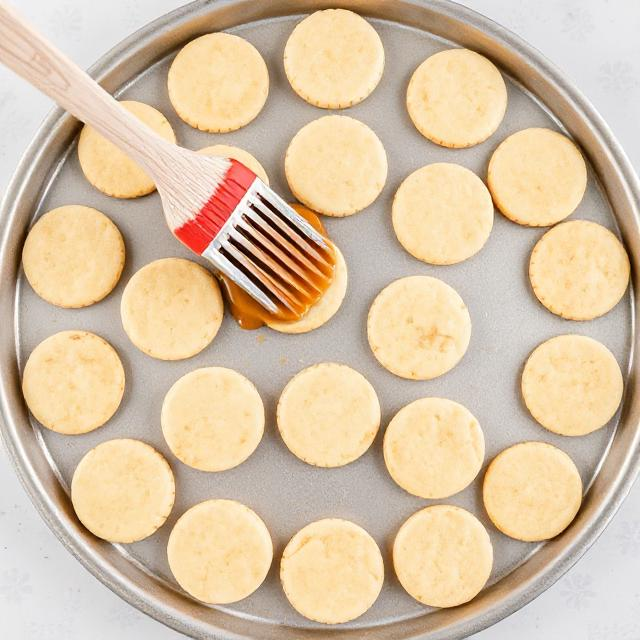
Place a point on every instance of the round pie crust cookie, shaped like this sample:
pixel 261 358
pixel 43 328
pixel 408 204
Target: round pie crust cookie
pixel 212 419
pixel 442 213
pixel 537 177
pixel 572 385
pixel 418 327
pixel 456 98
pixel 73 256
pixel 220 551
pixel 73 382
pixel 228 151
pixel 218 82
pixel 108 168
pixel 123 490
pixel 325 308
pixel 442 556
pixel 334 59
pixel 532 491
pixel 328 415
pixel 332 571
pixel 171 308
pixel 579 270
pixel 433 448
pixel 336 165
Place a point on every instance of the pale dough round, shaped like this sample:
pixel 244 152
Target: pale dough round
pixel 572 385
pixel 220 551
pixel 212 419
pixel 418 327
pixel 325 308
pixel 73 382
pixel 228 151
pixel 328 414
pixel 123 490
pixel 218 82
pixel 579 270
pixel 442 556
pixel 334 59
pixel 442 213
pixel 336 165
pixel 433 448
pixel 73 256
pixel 537 177
pixel 108 168
pixel 171 308
pixel 456 98
pixel 331 571
pixel 532 491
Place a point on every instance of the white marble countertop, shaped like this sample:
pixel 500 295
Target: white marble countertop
pixel 46 595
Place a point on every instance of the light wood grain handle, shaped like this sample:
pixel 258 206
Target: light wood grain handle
pixel 36 60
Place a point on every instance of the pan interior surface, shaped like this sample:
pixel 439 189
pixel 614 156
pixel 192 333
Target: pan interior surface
pixel 507 324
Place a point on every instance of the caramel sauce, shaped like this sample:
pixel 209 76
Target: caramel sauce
pixel 249 313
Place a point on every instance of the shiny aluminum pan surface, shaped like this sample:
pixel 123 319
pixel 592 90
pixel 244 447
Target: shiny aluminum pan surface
pixel 507 324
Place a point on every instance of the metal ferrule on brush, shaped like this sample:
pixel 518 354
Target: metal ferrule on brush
pixel 257 240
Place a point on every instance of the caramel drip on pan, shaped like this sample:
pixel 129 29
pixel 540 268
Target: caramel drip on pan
pixel 248 312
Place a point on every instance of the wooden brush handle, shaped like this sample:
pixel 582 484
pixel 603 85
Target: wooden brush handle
pixel 36 60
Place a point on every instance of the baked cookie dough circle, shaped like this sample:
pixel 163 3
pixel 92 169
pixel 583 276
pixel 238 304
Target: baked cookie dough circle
pixel 73 382
pixel 220 551
pixel 532 491
pixel 334 59
pixel 418 327
pixel 537 177
pixel 171 308
pixel 442 213
pixel 325 308
pixel 331 571
pixel 456 98
pixel 572 385
pixel 123 490
pixel 328 414
pixel 433 448
pixel 228 151
pixel 73 256
pixel 442 556
pixel 108 168
pixel 336 165
pixel 579 270
pixel 212 419
pixel 218 82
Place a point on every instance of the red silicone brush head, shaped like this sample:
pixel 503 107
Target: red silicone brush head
pixel 198 232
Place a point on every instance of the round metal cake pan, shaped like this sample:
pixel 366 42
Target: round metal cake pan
pixel 44 158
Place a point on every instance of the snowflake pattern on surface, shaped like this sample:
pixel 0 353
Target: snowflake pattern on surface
pixel 619 76
pixel 578 23
pixel 577 590
pixel 65 21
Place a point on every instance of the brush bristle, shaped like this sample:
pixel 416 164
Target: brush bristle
pixel 198 229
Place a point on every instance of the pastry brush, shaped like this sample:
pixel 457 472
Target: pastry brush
pixel 216 206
